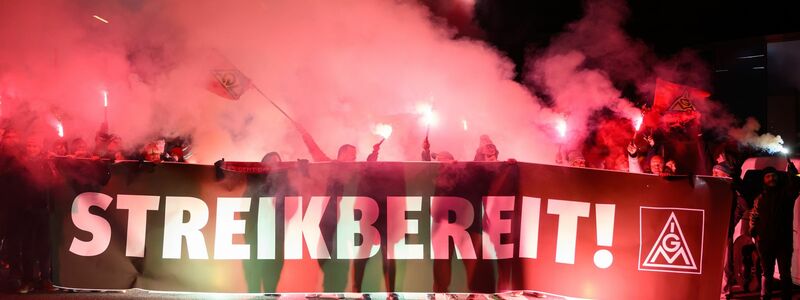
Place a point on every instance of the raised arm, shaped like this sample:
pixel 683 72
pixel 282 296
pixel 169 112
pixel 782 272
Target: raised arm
pixel 375 148
pixel 426 150
pixel 316 153
pixel 633 161
pixel 793 184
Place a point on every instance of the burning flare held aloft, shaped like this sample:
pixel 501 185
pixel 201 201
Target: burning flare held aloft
pixel 561 127
pixel 383 130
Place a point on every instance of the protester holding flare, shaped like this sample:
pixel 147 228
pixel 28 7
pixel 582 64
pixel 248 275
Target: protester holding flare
pixel 655 162
pixel 384 131
pixel 442 156
pixel 426 150
pixel 346 153
pixel 375 148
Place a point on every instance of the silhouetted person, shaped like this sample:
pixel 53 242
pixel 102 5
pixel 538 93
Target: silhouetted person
pixel 263 275
pixel 271 159
pixel 10 183
pixel 487 151
pixel 771 225
pixel 340 183
pixel 739 207
pixel 346 153
pixel 442 156
pixel 30 238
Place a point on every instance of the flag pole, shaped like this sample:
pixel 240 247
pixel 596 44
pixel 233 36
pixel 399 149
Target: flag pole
pixel 272 102
pixel 256 87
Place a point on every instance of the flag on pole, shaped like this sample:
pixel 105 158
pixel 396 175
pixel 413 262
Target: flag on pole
pixel 229 83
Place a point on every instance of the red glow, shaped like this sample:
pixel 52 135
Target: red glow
pixel 60 129
pixel 637 122
pixel 427 115
pixel 383 130
pixel 561 127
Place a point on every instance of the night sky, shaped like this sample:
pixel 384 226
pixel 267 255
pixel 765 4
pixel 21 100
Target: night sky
pixel 515 27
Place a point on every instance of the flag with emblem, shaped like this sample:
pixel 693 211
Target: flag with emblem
pixel 229 83
pixel 675 103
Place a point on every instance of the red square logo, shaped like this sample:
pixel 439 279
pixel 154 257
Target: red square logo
pixel 671 239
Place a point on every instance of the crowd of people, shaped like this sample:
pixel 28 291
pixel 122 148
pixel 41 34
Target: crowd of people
pixel 107 146
pixel 766 207
pixel 24 251
pixel 25 164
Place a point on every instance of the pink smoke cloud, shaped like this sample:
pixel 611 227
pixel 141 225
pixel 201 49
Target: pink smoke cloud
pixel 337 68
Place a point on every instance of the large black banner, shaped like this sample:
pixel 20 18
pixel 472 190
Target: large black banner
pixel 403 227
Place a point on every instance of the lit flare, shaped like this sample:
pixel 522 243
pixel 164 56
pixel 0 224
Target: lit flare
pixel 383 130
pixel 561 127
pixel 60 129
pixel 100 19
pixel 427 115
pixel 637 122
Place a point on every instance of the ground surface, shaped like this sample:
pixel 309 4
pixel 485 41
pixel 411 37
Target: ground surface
pixel 139 294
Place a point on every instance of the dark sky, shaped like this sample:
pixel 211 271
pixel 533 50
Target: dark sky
pixel 666 26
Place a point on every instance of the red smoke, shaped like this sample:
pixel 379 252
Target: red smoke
pixel 338 67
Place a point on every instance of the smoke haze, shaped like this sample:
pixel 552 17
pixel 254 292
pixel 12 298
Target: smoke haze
pixel 339 68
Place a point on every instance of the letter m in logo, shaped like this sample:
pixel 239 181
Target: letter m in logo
pixel 671 239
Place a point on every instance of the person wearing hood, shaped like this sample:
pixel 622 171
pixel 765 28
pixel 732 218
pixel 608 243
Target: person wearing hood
pixel 486 151
pixel 771 226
